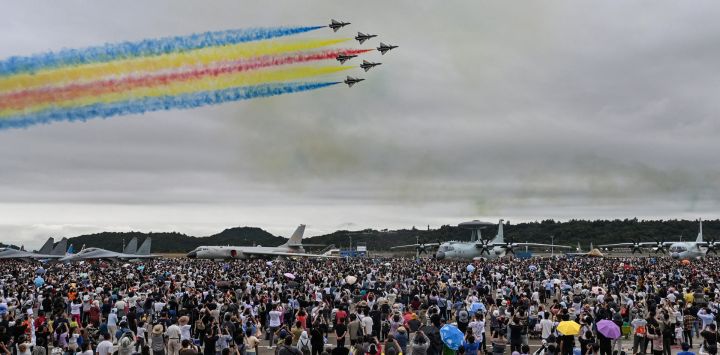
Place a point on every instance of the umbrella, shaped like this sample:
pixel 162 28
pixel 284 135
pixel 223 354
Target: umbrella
pixel 126 265
pixel 609 329
pixel 532 268
pixel 269 263
pixel 387 264
pixel 568 327
pixel 350 279
pixel 451 336
pixel 469 268
pixel 289 276
pixel 40 271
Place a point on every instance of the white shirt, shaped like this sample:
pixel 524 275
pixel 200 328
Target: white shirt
pixel 105 347
pixel 546 325
pixel 185 332
pixel 275 318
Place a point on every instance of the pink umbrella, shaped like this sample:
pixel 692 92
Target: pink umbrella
pixel 609 329
pixel 289 276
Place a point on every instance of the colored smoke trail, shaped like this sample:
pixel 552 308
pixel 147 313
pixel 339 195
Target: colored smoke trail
pixel 148 104
pixel 23 99
pixel 149 47
pixel 184 87
pixel 204 56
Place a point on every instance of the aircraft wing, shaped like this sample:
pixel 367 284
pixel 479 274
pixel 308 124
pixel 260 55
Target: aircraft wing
pixel 280 253
pixel 515 245
pixel 19 254
pixel 620 245
pixel 415 245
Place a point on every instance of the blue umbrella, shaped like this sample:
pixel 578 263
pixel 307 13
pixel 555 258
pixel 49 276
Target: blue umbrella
pixel 451 336
pixel 470 268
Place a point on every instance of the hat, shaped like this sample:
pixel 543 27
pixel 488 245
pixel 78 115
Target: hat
pixel 184 320
pixel 157 329
pixel 401 329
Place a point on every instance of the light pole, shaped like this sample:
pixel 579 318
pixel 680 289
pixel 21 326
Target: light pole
pixel 552 245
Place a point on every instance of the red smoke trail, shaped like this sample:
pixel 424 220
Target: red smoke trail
pixel 25 98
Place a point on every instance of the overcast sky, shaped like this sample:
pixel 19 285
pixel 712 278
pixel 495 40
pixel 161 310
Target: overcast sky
pixel 519 110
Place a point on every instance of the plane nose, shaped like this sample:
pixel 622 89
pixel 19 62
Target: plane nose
pixel 675 255
pixel 192 255
pixel 440 255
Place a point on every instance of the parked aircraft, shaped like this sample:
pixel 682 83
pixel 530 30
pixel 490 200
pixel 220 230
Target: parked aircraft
pixel 678 250
pixel 143 252
pixel 49 251
pixel 293 247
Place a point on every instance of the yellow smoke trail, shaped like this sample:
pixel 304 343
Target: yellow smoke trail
pixel 197 57
pixel 206 84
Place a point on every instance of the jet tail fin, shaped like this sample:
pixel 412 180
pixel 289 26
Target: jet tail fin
pixel 60 248
pixel 70 250
pixel 500 237
pixel 700 234
pixel 144 249
pixel 296 237
pixel 47 247
pixel 131 248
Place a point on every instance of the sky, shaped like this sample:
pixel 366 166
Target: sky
pixel 488 109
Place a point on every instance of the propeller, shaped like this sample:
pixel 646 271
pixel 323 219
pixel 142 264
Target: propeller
pixel 636 247
pixel 484 246
pixel 508 246
pixel 712 246
pixel 660 247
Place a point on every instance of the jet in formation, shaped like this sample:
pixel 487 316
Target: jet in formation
pixel 130 252
pixel 293 248
pixel 50 251
pixel 367 65
pixel 678 250
pixel 362 37
pixel 478 247
pixel 350 81
pixel 384 48
pixel 336 25
pixel 342 58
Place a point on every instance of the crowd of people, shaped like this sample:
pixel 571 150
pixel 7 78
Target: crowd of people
pixel 361 306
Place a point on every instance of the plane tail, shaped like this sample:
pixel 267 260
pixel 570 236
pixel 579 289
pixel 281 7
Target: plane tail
pixel 500 237
pixel 60 248
pixel 47 247
pixel 131 248
pixel 70 250
pixel 296 237
pixel 700 235
pixel 144 249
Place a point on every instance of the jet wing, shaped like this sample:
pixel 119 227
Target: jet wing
pixel 415 245
pixel 280 253
pixel 19 254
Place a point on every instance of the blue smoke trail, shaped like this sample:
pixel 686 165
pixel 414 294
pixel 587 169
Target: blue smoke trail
pixel 148 47
pixel 149 104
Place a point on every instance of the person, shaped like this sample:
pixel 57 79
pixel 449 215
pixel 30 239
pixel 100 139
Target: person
pixel 172 334
pixel 304 343
pixel 86 349
pixel 419 344
pixel 515 336
pixel 157 340
pixel 391 346
pixel 688 324
pixel 402 338
pixel 710 339
pixel 251 343
pixel 470 345
pixel 286 348
pixel 546 326
pixel 498 342
pixel 105 346
pixel 188 348
pixel 126 344
pixel 317 339
pixel 656 337
pixel 341 332
pixel 355 330
pixel 685 349
pixel 274 323
pixel 525 350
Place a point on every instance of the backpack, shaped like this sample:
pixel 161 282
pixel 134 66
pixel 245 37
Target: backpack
pixel 305 347
pixel 199 324
pixel 463 316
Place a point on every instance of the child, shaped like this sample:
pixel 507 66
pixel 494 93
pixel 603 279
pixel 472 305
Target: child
pixel 678 333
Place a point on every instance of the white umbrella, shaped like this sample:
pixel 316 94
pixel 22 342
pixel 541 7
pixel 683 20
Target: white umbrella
pixel 126 265
pixel 289 276
pixel 269 263
pixel 387 264
pixel 350 279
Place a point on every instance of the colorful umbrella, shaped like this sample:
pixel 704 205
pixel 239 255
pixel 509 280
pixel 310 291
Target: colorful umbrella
pixel 568 327
pixel 451 336
pixel 609 329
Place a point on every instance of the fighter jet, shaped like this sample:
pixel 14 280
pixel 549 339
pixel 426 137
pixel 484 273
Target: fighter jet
pixel 336 25
pixel 143 252
pixel 350 81
pixel 367 65
pixel 361 37
pixel 342 58
pixel 385 47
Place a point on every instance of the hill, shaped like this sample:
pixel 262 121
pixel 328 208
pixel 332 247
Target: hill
pixel 565 233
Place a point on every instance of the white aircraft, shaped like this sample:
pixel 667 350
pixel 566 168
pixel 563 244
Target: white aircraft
pixel 49 251
pixel 293 247
pixel 678 250
pixel 477 247
pixel 143 252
